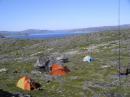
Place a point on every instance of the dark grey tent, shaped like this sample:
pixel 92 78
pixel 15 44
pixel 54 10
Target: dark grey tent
pixel 42 63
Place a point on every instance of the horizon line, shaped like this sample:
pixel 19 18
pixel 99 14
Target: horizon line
pixel 65 29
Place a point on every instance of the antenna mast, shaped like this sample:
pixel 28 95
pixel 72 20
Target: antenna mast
pixel 119 41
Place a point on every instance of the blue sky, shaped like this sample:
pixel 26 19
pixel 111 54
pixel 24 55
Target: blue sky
pixel 61 14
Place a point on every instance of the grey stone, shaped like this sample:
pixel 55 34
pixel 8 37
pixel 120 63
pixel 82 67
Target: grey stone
pixel 35 72
pixel 3 70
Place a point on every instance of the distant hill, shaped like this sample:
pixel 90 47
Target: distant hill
pixel 24 32
pixel 80 30
pixel 102 28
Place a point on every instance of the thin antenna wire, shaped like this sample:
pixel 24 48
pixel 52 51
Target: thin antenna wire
pixel 119 41
pixel 91 46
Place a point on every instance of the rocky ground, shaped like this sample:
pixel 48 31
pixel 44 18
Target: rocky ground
pixel 96 79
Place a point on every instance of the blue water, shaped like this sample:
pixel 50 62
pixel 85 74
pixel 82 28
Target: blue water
pixel 44 35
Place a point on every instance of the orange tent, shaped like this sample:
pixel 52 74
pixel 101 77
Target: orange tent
pixel 58 70
pixel 26 83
